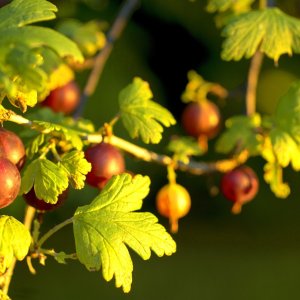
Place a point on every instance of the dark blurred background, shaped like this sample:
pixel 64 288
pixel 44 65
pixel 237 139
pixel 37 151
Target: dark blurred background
pixel 254 255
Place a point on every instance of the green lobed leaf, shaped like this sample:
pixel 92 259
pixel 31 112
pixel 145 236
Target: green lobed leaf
pixel 76 166
pixel 104 229
pixel 285 149
pixel 140 115
pixel 287 114
pixel 46 114
pixel 66 130
pixel 79 125
pixel 34 145
pixel 15 241
pixel 48 179
pixel 25 61
pixel 3 296
pixel 35 36
pixel 22 97
pixel 29 52
pixel 26 12
pixel 241 133
pixel 273 176
pixel 88 36
pixel 61 131
pixel 270 31
pixel 283 143
pixel 184 147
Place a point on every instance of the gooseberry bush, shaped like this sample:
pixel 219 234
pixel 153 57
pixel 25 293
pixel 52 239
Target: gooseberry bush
pixel 56 149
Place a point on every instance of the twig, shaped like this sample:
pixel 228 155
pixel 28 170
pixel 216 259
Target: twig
pixel 100 60
pixel 193 167
pixel 253 74
pixel 28 219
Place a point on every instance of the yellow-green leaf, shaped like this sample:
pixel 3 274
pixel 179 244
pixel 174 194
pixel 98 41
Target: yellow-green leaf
pixel 241 133
pixel 48 179
pixel 287 113
pixel 27 52
pixel 77 167
pixel 184 147
pixel 285 149
pixel 88 36
pixel 105 228
pixel 270 31
pixel 140 115
pixel 15 240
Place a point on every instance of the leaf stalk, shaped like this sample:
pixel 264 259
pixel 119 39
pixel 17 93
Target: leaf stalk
pixel 53 230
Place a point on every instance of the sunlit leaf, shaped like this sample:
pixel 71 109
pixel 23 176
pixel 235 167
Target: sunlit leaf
pixel 48 179
pixel 140 115
pixel 241 134
pixel 88 36
pixel 105 228
pixel 77 167
pixel 15 240
pixel 270 31
pixel 184 147
pixel 287 114
pixel 29 54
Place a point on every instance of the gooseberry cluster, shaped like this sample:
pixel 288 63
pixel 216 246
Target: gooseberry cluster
pixel 201 120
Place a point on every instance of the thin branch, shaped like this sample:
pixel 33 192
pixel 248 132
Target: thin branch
pixel 100 60
pixel 28 219
pixel 193 167
pixel 253 74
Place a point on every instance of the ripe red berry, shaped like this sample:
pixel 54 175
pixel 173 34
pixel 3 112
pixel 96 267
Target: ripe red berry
pixel 10 181
pixel 201 119
pixel 12 148
pixel 63 99
pixel 39 204
pixel 174 202
pixel 240 185
pixel 106 161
